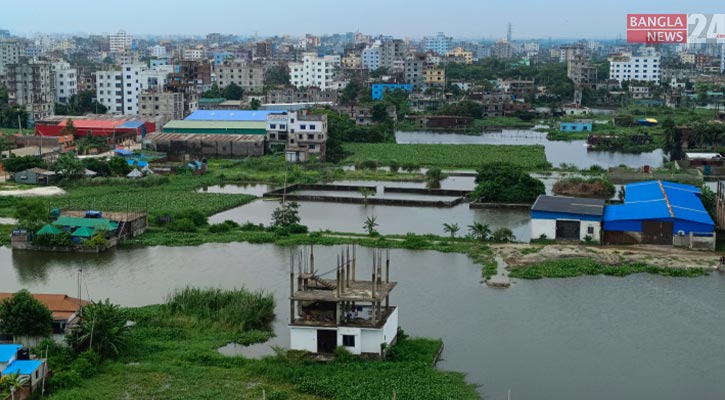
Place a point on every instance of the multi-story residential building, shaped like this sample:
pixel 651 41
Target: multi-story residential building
pixel 516 88
pixel 301 134
pixel 119 90
pixel 10 53
pixel 502 49
pixel 391 51
pixel 193 54
pixel 264 49
pixel 460 53
pixel 371 57
pixel 65 81
pixel 119 41
pixel 627 67
pixel 161 106
pixel 308 95
pixel 569 52
pixel 414 69
pixel 248 76
pixel 581 72
pixel 126 57
pixel 493 104
pixel 434 76
pixel 155 78
pixel 352 61
pixel 315 71
pixel 440 43
pixel 157 51
pixel 30 85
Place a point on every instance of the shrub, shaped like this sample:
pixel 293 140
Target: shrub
pixel 65 380
pixel 506 183
pixel 182 225
pixel 503 235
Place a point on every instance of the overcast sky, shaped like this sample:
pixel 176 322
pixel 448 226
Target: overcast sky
pixel 574 19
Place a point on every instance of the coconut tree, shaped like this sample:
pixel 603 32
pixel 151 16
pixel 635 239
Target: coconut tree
pixel 370 224
pixel 102 329
pixel 13 382
pixel 452 229
pixel 479 230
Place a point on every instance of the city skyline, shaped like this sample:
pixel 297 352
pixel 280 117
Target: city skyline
pixel 558 19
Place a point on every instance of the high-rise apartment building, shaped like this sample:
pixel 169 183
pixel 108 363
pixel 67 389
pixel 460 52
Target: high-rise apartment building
pixel 65 81
pixel 30 85
pixel 119 41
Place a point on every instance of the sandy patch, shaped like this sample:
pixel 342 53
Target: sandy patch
pixel 34 192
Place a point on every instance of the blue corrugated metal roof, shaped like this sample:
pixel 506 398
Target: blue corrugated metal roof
pixel 8 351
pixel 131 125
pixel 660 200
pixel 23 367
pixel 228 115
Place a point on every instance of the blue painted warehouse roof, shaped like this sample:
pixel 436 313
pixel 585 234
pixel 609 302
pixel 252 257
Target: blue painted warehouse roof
pixel 8 351
pixel 228 115
pixel 659 200
pixel 131 124
pixel 22 367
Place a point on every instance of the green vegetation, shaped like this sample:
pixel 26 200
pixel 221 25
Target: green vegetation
pixel 448 155
pixel 573 267
pixel 23 315
pixel 172 354
pixel 101 330
pixel 506 183
pixel 581 187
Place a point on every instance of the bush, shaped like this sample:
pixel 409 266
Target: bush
pixel 182 225
pixel 506 183
pixel 65 380
pixel 503 235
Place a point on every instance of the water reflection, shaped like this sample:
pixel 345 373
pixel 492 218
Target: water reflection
pixel 557 152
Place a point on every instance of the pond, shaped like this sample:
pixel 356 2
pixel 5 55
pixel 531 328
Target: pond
pixel 640 337
pixel 557 152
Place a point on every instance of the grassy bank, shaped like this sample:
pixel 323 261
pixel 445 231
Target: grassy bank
pixel 173 354
pixel 447 155
pixel 574 267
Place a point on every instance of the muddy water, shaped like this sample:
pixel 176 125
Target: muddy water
pixel 640 337
pixel 557 152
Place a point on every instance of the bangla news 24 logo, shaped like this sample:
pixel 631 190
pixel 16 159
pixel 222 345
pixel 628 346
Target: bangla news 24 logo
pixel 676 28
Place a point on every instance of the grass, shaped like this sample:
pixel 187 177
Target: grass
pixel 5 231
pixel 447 155
pixel 574 267
pixel 173 355
pixel 502 122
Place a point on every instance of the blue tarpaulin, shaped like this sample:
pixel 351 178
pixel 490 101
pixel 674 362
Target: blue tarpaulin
pixel 123 152
pixel 229 115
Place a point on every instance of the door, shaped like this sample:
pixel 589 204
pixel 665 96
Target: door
pixel 568 230
pixel 657 232
pixel 326 341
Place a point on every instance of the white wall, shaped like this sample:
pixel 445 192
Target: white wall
pixel 548 228
pixel 303 338
pixel 352 332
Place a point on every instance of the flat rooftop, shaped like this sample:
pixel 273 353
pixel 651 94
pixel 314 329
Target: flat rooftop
pixel 228 115
pixel 569 205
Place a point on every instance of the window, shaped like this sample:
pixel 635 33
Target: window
pixel 272 126
pixel 590 230
pixel 303 127
pixel 348 340
pixel 312 127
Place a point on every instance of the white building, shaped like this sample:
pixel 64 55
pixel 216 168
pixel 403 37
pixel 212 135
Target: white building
pixel 439 43
pixel 10 53
pixel 120 41
pixel 301 133
pixel 157 51
pixel 345 312
pixel 315 71
pixel 371 57
pixel 65 81
pixel 567 218
pixel 193 54
pixel 118 90
pixel 629 67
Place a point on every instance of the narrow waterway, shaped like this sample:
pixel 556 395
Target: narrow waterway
pixel 640 337
pixel 557 152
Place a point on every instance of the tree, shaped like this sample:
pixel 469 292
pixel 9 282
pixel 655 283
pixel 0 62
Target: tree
pixel 17 164
pixel 5 144
pixel 232 92
pixel 13 383
pixel 103 329
pixel 709 201
pixel 69 128
pixel 118 166
pixel 31 214
pixel 278 75
pixel 69 166
pixel 506 183
pixel 379 112
pixel 366 192
pixel 433 178
pixel 479 230
pixel 23 315
pixel 254 104
pixel 286 215
pixel 451 228
pixel 350 93
pixel 503 235
pixel 370 225
pixel 212 93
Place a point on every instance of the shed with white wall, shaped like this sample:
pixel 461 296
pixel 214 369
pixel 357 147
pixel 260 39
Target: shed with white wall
pixel 567 218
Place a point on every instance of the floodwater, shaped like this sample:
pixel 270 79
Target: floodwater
pixel 557 152
pixel 339 217
pixel 639 337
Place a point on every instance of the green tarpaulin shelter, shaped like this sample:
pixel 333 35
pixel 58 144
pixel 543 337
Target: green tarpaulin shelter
pixel 83 232
pixel 49 230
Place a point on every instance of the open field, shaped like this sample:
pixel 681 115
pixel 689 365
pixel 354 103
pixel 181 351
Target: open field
pixel 447 155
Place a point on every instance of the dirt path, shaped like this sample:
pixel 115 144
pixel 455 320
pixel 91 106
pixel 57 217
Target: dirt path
pixel 519 255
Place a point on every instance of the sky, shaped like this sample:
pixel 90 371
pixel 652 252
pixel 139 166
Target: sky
pixel 558 19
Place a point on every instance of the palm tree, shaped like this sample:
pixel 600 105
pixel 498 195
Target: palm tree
pixel 451 228
pixel 14 382
pixel 370 224
pixel 102 329
pixel 479 230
